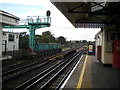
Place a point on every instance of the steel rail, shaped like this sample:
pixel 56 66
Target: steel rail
pixel 24 69
pixel 22 64
pixel 34 80
pixel 20 68
pixel 46 85
pixel 22 72
pixel 60 66
pixel 7 68
pixel 63 80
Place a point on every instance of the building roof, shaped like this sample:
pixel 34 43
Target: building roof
pixel 10 32
pixel 8 19
pixel 9 15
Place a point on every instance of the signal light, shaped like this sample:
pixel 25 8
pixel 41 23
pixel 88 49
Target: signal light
pixel 48 13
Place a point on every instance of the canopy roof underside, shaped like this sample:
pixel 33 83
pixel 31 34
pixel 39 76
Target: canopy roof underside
pixel 90 14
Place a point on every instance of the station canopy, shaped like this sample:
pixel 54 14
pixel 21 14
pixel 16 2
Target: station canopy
pixel 90 14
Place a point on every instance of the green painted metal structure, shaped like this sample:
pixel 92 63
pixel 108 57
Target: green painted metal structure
pixel 46 46
pixel 33 23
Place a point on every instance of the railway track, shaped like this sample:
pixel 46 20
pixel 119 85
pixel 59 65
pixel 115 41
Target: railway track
pixel 7 68
pixel 14 66
pixel 20 75
pixel 52 77
pixel 18 71
pixel 20 68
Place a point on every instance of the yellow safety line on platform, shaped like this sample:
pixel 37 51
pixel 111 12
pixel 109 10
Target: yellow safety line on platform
pixel 81 75
pixel 54 57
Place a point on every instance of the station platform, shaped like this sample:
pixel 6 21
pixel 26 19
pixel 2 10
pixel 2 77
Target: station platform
pixel 90 73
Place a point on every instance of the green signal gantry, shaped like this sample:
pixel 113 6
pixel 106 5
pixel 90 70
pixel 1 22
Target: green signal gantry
pixel 33 23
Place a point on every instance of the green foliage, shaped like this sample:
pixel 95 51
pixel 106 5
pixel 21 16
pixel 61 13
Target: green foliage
pixel 46 37
pixel 84 41
pixel 20 54
pixel 61 40
pixel 38 38
pixel 25 54
pixel 77 41
pixel 24 41
pixel 46 33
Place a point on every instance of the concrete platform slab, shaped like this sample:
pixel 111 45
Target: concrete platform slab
pixel 95 75
pixel 74 77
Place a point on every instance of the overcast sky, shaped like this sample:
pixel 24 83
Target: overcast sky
pixel 60 26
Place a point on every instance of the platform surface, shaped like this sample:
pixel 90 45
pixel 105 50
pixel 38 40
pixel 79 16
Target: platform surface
pixel 93 75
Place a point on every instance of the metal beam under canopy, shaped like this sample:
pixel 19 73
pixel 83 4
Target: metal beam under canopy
pixel 90 14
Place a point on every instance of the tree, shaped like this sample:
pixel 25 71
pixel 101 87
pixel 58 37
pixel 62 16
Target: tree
pixel 46 37
pixel 46 33
pixel 77 41
pixel 38 38
pixel 84 41
pixel 61 40
pixel 24 41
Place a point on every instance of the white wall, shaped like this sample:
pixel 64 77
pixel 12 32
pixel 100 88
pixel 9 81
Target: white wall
pixel 8 20
pixel 107 54
pixel 11 45
pixel 107 44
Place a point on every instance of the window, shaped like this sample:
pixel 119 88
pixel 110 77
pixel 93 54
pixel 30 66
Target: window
pixel 4 33
pixel 11 37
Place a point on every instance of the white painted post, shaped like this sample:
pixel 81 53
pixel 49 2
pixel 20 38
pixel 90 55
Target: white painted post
pixel 0 39
pixel 0 56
